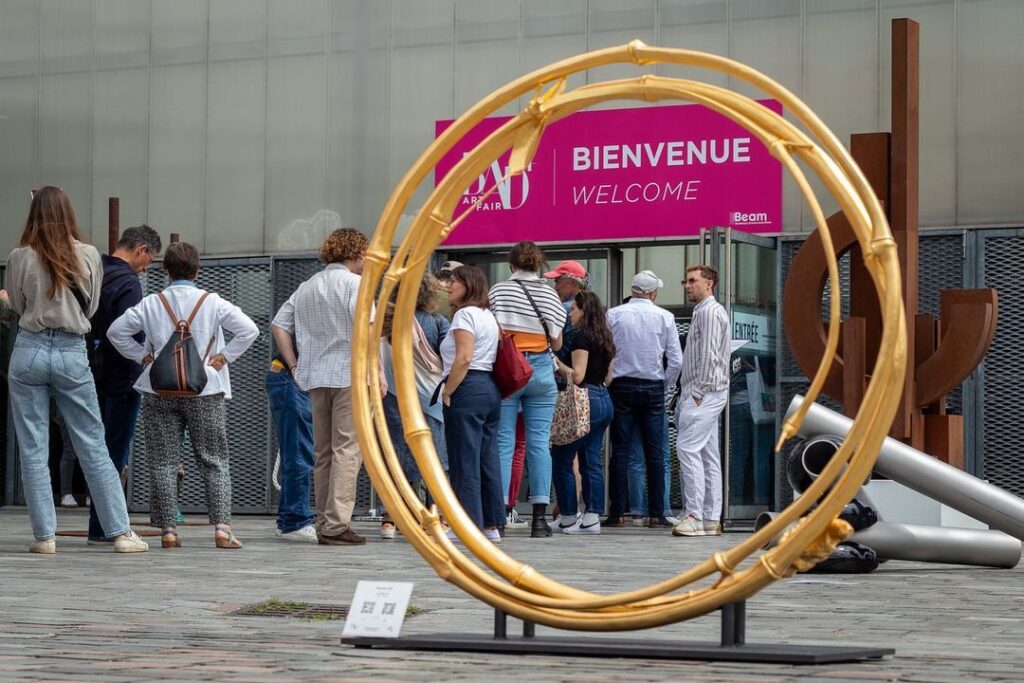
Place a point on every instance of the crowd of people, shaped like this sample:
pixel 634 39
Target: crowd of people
pixel 105 354
pixel 628 360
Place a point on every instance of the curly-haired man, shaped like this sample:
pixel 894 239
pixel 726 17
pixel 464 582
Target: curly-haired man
pixel 320 316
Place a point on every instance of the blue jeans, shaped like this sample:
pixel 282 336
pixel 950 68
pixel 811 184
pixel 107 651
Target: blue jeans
pixel 538 401
pixel 470 428
pixel 293 419
pixel 591 468
pixel 639 407
pixel 638 476
pixel 119 412
pixel 54 362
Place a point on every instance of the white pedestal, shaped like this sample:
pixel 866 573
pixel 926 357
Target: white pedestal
pixel 895 502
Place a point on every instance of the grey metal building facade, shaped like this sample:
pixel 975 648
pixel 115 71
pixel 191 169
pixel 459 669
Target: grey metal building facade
pixel 254 127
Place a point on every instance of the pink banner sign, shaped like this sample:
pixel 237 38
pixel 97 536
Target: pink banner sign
pixel 623 174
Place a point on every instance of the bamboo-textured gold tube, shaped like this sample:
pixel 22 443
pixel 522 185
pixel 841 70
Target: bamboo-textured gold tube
pixel 502 581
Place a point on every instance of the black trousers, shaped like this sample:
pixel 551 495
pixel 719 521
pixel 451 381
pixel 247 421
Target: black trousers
pixel 639 405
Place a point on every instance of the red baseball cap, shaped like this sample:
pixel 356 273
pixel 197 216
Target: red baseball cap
pixel 573 268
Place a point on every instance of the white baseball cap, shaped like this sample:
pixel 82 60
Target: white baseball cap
pixel 646 281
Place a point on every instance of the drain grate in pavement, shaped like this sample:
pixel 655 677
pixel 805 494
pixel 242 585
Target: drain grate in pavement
pixel 297 610
pixel 302 610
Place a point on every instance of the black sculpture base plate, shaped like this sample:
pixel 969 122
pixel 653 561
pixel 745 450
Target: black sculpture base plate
pixel 710 651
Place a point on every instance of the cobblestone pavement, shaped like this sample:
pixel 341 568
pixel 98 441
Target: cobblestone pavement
pixel 89 615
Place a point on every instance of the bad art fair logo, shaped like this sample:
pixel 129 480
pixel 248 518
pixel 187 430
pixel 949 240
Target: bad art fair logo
pixel 510 192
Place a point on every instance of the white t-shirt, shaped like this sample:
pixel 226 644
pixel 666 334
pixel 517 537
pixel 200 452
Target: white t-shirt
pixel 481 324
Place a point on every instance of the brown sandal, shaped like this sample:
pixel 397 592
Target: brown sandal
pixel 169 539
pixel 223 537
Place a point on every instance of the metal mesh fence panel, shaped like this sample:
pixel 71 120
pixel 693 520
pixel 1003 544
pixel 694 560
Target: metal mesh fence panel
pixel 245 283
pixel 940 265
pixel 1003 438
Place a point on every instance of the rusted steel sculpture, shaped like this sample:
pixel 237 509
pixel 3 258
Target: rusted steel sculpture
pixel 941 353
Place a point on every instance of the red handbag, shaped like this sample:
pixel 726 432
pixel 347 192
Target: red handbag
pixel 511 370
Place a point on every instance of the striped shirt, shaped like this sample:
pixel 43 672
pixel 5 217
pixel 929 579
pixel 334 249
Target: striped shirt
pixel 515 314
pixel 319 314
pixel 706 358
pixel 646 342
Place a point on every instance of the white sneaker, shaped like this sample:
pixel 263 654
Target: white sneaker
pixel 566 522
pixel 493 535
pixel 640 521
pixel 688 526
pixel 712 527
pixel 513 519
pixel 388 531
pixel 671 520
pixel 44 547
pixel 588 525
pixel 130 543
pixel 68 501
pixel 306 534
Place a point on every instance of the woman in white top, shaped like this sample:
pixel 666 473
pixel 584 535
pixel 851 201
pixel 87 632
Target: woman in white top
pixel 54 282
pixel 166 417
pixel 532 313
pixel 472 402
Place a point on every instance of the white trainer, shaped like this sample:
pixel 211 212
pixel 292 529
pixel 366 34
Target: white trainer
pixel 47 546
pixel 566 522
pixel 588 525
pixel 388 530
pixel 68 501
pixel 493 535
pixel 640 521
pixel 306 534
pixel 130 543
pixel 712 527
pixel 688 526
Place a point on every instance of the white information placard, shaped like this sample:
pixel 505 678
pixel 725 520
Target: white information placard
pixel 378 609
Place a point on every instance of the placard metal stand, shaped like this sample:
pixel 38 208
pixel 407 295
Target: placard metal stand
pixel 731 648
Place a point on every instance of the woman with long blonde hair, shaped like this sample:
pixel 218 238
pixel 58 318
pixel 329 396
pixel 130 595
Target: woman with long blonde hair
pixel 54 281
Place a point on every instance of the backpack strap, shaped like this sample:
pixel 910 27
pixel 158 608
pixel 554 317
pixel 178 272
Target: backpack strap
pixel 192 316
pixel 170 311
pixel 199 304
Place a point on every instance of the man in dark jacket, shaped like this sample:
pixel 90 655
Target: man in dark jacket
pixel 115 374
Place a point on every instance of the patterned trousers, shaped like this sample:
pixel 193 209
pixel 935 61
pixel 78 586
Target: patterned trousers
pixel 165 419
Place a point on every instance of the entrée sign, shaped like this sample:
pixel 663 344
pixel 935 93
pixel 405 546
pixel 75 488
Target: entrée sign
pixel 623 174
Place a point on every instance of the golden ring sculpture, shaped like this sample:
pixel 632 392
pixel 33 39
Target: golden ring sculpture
pixel 487 572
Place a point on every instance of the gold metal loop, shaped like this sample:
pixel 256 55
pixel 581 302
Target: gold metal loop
pixel 486 572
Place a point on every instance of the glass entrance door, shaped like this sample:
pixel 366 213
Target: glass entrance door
pixel 747 267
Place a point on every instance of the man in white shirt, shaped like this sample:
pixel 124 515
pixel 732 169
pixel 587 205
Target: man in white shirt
pixel 647 361
pixel 320 315
pixel 703 395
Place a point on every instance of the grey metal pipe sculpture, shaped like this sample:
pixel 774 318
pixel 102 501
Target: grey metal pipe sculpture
pixel 916 543
pixel 947 545
pixel 987 503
